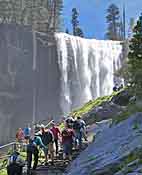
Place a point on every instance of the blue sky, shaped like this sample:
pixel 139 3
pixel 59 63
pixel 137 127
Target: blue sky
pixel 93 12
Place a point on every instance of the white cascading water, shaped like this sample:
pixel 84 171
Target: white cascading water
pixel 87 68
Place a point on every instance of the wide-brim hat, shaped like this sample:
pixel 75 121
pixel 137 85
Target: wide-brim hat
pixel 42 126
pixel 38 133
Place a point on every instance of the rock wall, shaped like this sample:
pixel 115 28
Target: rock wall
pixel 18 79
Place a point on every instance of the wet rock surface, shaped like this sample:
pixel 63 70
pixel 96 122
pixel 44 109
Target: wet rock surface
pixel 20 52
pixel 114 150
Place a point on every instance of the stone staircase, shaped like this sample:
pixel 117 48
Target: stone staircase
pixel 60 165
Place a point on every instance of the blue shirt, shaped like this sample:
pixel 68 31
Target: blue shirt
pixel 37 141
pixel 27 131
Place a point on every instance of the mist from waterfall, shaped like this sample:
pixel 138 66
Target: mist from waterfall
pixel 87 68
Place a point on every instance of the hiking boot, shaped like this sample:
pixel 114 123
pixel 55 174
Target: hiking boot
pixel 86 139
pixel 57 155
pixel 52 163
pixel 46 163
pixel 28 172
pixel 70 158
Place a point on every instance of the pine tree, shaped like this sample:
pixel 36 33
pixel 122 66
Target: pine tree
pixel 135 59
pixel 67 31
pixel 74 20
pixel 113 20
pixel 77 31
pixel 131 27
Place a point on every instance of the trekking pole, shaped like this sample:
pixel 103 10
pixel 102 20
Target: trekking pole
pixel 48 124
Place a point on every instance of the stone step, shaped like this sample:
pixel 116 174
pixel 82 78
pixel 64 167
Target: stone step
pixel 60 165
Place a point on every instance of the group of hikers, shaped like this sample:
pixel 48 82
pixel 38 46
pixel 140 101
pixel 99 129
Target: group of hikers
pixel 49 140
pixel 117 87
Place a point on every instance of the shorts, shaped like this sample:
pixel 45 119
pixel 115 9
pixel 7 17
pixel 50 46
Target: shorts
pixel 45 151
pixel 51 147
pixel 27 137
pixel 67 148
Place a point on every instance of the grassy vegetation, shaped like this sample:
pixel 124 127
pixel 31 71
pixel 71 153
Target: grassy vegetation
pixel 91 104
pixel 3 172
pixel 3 163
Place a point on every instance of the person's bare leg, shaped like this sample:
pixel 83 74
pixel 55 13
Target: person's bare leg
pixel 70 157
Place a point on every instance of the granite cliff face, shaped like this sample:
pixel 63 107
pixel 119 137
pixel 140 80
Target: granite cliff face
pixel 18 51
pixel 115 151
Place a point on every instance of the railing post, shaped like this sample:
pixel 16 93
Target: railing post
pixel 14 147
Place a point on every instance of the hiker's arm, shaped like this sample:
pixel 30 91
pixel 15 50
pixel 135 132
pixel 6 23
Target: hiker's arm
pixel 41 143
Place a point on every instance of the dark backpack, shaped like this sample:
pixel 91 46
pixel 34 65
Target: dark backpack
pixel 47 137
pixel 14 158
pixel 77 125
pixel 65 132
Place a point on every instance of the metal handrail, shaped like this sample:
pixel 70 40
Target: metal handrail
pixel 12 145
pixel 4 157
pixel 6 145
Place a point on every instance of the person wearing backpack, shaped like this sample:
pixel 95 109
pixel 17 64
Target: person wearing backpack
pixel 15 164
pixel 69 121
pixel 78 127
pixel 33 149
pixel 67 142
pixel 48 140
pixel 56 132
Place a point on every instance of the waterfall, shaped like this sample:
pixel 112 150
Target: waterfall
pixel 87 68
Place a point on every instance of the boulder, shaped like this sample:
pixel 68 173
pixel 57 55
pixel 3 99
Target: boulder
pixel 122 98
pixel 112 150
pixel 105 111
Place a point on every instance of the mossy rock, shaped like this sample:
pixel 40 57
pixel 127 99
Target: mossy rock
pixel 122 98
pixel 92 104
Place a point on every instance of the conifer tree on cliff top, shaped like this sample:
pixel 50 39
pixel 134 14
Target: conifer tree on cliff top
pixel 77 31
pixel 113 20
pixel 135 59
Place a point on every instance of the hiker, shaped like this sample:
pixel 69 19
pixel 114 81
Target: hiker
pixel 116 88
pixel 20 135
pixel 48 140
pixel 80 131
pixel 27 134
pixel 33 149
pixel 56 132
pixel 69 121
pixel 83 129
pixel 15 164
pixel 67 141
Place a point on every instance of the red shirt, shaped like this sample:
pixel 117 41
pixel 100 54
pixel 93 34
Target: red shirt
pixel 55 131
pixel 20 135
pixel 67 135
